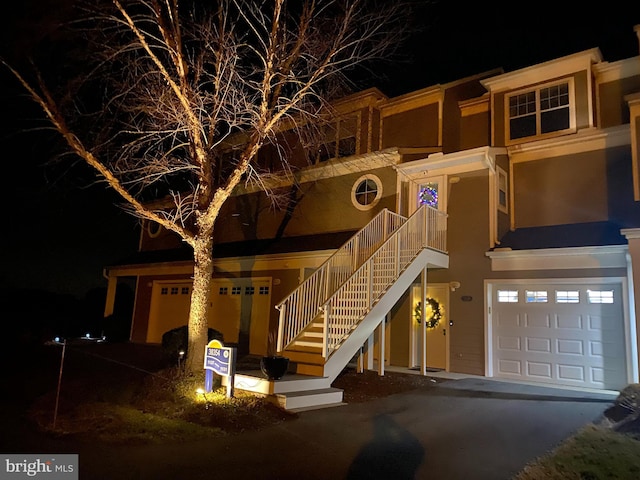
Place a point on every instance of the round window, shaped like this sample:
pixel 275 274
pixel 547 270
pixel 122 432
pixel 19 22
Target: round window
pixel 153 229
pixel 366 192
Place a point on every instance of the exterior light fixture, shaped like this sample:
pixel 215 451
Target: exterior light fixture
pixel 207 403
pixel 180 357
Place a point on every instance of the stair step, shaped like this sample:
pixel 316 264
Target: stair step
pixel 313 334
pixel 310 368
pixel 299 358
pixel 308 343
pixel 310 399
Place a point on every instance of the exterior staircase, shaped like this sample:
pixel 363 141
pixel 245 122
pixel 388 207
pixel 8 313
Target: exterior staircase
pixel 325 322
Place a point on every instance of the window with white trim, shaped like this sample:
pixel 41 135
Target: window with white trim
pixel 366 192
pixel 536 296
pixel 549 109
pixel 507 296
pixel 600 296
pixel 567 296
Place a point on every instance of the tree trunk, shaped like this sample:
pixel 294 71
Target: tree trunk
pixel 200 298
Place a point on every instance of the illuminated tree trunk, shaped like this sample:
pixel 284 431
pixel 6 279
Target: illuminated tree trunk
pixel 200 302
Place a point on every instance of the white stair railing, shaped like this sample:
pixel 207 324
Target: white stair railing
pixel 351 302
pixel 300 307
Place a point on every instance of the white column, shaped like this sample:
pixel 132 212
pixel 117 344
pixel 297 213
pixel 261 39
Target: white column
pixel 369 352
pixel 381 342
pixel 423 322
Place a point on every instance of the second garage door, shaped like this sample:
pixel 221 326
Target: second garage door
pixel 240 310
pixel 559 333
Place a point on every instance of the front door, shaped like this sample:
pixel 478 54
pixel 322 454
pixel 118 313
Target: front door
pixel 436 322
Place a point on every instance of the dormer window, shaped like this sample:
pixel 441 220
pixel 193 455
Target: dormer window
pixel 544 111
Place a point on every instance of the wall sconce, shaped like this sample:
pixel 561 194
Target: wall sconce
pixel 454 286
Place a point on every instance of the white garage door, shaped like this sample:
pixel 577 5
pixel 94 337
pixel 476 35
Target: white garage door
pixel 240 310
pixel 558 333
pixel 170 303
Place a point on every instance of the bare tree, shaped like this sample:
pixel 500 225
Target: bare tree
pixel 178 101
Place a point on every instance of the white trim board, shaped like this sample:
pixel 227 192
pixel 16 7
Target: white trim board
pixel 559 258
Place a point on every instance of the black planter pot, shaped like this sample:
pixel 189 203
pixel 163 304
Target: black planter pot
pixel 274 367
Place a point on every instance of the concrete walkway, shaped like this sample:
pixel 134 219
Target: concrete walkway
pixel 471 429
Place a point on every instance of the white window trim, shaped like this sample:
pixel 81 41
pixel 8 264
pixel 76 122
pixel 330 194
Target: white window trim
pixel 361 179
pixel 537 88
pixel 501 173
pixel 609 256
pixel 153 229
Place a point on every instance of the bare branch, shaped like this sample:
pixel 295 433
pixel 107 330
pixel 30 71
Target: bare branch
pixel 176 101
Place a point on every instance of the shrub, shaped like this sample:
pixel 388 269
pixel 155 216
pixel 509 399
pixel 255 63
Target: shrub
pixel 176 341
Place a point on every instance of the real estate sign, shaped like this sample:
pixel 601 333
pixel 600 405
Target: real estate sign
pixel 221 360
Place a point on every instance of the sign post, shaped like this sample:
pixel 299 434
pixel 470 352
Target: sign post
pixel 221 360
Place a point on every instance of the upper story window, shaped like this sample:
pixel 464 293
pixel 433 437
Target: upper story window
pixel 366 192
pixel 549 109
pixel 338 140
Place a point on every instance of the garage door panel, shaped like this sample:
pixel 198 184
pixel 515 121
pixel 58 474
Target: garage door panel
pixel 540 370
pixel 509 343
pixel 570 347
pixel 575 342
pixel 597 375
pixel 571 373
pixel 509 367
pixel 538 344
pixel 569 322
pixel 506 320
pixel 537 321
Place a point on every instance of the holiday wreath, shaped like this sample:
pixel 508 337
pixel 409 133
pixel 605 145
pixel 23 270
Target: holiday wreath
pixel 432 320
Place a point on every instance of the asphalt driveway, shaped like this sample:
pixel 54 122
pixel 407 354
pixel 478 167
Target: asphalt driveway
pixel 470 429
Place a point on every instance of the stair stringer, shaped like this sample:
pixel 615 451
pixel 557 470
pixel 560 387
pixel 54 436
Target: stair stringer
pixel 350 346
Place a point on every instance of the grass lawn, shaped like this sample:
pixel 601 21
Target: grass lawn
pixel 595 452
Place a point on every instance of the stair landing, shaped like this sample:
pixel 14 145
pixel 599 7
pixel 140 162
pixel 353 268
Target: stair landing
pixel 293 392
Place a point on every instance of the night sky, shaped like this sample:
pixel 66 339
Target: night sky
pixel 61 228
